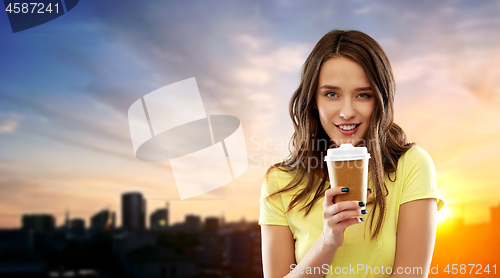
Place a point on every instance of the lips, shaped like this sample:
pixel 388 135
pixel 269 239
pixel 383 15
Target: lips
pixel 348 125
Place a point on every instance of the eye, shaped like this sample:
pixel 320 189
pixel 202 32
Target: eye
pixel 331 94
pixel 364 95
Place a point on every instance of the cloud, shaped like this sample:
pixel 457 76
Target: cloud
pixel 9 122
pixel 261 68
pixel 435 95
pixel 363 10
pixel 66 114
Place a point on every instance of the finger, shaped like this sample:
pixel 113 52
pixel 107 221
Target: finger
pixel 347 214
pixel 342 206
pixel 330 193
pixel 349 222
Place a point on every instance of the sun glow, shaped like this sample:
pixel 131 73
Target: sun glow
pixel 444 214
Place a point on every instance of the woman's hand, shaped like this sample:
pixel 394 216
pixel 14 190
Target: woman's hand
pixel 337 217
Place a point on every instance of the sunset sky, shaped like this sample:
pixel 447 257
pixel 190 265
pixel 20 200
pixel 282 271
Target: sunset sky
pixel 66 87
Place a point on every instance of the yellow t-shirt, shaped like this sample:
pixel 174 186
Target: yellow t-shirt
pixel 416 179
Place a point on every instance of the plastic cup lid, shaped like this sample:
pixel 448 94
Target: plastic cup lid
pixel 347 152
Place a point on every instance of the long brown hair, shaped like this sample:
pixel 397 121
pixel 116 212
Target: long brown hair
pixel 385 140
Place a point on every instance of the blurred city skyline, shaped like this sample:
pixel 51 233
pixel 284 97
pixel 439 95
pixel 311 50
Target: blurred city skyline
pixel 67 85
pixel 444 221
pixel 210 248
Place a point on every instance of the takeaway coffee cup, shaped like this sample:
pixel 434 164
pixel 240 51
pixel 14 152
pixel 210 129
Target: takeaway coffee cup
pixel 348 167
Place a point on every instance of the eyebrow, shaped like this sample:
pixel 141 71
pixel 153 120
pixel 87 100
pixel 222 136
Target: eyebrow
pixel 337 88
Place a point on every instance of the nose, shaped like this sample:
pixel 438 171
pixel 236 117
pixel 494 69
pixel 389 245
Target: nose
pixel 347 111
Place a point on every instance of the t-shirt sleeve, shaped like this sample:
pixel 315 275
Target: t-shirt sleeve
pixel 419 180
pixel 272 212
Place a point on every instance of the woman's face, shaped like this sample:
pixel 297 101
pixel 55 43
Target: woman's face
pixel 345 100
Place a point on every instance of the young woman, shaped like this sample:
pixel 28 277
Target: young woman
pixel 346 95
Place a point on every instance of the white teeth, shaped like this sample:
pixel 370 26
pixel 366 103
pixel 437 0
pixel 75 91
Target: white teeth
pixel 347 127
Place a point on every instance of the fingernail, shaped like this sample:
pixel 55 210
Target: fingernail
pixel 361 204
pixel 369 189
pixel 362 219
pixel 345 189
pixel 364 211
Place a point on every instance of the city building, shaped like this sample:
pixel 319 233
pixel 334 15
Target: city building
pixel 127 242
pixel 133 211
pixel 102 221
pixel 192 224
pixel 77 226
pixel 158 221
pixel 38 223
pixel 154 261
pixel 243 249
pixel 15 240
pixel 212 256
pixel 211 225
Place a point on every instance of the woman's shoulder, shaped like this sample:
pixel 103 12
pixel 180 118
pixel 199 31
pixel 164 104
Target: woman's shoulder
pixel 275 179
pixel 415 157
pixel 416 153
pixel 280 177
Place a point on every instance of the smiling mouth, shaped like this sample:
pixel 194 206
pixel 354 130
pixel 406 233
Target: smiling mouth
pixel 347 127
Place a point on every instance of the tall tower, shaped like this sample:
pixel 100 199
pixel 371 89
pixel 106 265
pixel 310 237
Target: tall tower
pixel 66 221
pixel 168 213
pixel 133 211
